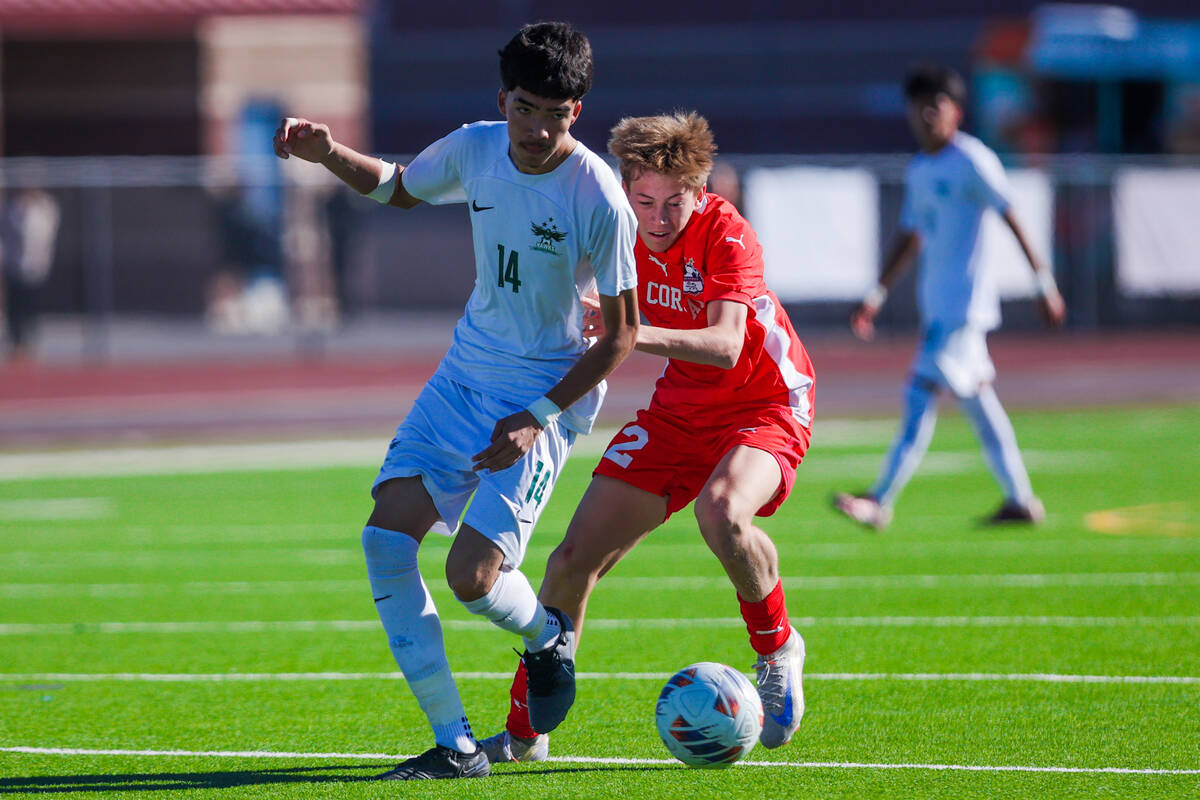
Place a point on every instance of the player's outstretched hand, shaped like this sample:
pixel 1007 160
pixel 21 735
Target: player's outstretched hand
pixel 511 438
pixel 303 139
pixel 862 322
pixel 1054 309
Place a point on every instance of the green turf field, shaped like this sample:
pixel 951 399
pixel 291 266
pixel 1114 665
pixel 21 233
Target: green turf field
pixel 212 634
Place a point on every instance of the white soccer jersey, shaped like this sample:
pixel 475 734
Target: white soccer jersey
pixel 541 242
pixel 946 196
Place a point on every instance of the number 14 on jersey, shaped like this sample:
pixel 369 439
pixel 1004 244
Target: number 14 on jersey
pixel 507 270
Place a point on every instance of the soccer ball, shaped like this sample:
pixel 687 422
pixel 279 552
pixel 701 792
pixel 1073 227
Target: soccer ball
pixel 709 715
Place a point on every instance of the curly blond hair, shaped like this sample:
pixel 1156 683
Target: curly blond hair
pixel 680 145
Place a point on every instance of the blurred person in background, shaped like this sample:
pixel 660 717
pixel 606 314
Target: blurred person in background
pixel 728 424
pixel 247 294
pixel 519 383
pixel 726 182
pixel 28 229
pixel 949 186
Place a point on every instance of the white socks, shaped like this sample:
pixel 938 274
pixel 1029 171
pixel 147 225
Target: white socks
pixel 414 633
pixel 999 442
pixel 512 605
pixel 920 417
pixel 991 425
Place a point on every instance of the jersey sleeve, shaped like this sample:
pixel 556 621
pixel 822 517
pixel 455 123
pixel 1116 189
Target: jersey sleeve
pixel 733 263
pixel 989 184
pixel 610 247
pixel 435 175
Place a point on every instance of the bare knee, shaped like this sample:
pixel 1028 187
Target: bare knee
pixel 571 565
pixel 724 528
pixel 472 565
pixel 402 504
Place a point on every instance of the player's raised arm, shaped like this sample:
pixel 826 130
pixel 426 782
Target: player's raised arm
pixel 367 175
pixel 1050 301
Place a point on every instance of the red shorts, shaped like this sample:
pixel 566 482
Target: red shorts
pixel 673 456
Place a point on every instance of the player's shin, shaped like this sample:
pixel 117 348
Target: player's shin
pixel 512 605
pixel 414 633
pixel 999 442
pixel 518 723
pixel 766 620
pixel 906 452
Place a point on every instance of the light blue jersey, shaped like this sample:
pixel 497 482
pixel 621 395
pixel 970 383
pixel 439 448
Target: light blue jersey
pixel 541 242
pixel 946 195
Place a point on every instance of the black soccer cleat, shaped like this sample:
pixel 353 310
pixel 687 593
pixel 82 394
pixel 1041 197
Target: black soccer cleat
pixel 551 678
pixel 440 762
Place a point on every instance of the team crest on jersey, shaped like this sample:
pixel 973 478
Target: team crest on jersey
pixel 693 281
pixel 548 235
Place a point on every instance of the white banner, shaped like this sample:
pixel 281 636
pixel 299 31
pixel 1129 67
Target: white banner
pixel 819 228
pixel 1156 213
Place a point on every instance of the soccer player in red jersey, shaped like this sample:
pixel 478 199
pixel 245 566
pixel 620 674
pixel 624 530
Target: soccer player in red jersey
pixel 728 424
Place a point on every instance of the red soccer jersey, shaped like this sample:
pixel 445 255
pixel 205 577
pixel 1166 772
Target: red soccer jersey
pixel 718 257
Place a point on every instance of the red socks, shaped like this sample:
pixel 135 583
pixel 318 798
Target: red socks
pixel 767 621
pixel 518 712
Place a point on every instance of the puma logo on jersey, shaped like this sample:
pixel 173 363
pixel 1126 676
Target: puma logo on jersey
pixel 660 263
pixel 738 241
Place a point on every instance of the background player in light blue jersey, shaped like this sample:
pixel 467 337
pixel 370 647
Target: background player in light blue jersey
pixel 549 223
pixel 949 186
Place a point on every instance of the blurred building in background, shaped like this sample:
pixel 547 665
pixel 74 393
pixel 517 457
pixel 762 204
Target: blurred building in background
pixel 149 123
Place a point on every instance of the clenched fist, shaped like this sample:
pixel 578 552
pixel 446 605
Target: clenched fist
pixel 303 139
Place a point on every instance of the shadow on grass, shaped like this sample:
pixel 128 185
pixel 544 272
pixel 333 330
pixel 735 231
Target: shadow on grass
pixel 176 781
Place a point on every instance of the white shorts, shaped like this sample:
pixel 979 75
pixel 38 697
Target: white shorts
pixel 957 359
pixel 448 424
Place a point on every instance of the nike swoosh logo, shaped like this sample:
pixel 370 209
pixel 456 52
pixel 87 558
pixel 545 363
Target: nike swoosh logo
pixel 476 207
pixel 784 720
pixel 381 599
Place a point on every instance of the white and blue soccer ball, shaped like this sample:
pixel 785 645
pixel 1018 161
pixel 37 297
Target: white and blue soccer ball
pixel 709 715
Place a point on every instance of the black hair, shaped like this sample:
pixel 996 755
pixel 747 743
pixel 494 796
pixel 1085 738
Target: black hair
pixel 933 79
pixel 549 59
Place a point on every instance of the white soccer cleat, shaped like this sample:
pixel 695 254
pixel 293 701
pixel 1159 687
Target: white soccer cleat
pixel 504 747
pixel 781 689
pixel 863 509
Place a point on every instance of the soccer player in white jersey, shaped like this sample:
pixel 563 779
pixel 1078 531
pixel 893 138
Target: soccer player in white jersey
pixel 499 416
pixel 949 186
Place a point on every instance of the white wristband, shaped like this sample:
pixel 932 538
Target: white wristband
pixel 387 183
pixel 1045 283
pixel 544 410
pixel 875 298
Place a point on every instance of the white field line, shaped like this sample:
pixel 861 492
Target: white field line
pixel 312 454
pixel 57 508
pixel 305 677
pixel 74 751
pixel 369 452
pixel 628 583
pixel 159 559
pixel 214 547
pixel 895 621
